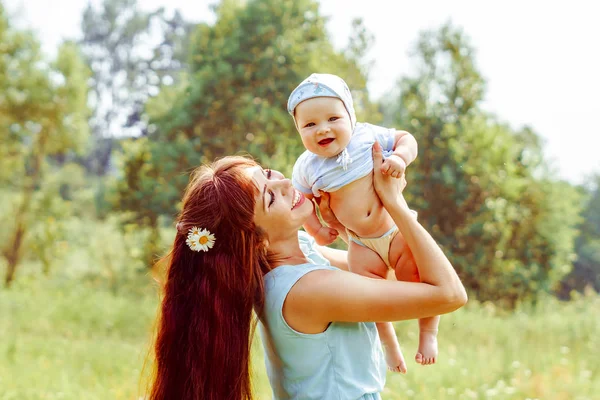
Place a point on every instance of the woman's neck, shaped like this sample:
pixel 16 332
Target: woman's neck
pixel 287 252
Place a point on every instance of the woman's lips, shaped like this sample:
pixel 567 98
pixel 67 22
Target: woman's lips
pixel 300 202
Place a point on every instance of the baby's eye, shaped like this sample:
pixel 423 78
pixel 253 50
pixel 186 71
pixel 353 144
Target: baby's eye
pixel 334 119
pixel 309 125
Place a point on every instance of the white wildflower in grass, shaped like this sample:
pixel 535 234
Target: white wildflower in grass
pixel 586 374
pixel 510 390
pixel 515 364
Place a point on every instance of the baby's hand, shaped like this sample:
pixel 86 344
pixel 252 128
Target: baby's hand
pixel 393 166
pixel 325 236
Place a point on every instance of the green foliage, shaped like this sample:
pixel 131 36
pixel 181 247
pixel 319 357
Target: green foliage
pixel 242 70
pixel 586 269
pixel 43 113
pixel 130 52
pixel 50 210
pixel 479 186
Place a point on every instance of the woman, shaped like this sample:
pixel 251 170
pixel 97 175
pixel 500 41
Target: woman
pixel 237 248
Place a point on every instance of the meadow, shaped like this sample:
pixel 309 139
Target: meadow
pixel 66 339
pixel 98 140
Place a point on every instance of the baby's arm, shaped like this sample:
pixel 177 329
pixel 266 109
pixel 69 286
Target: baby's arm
pixel 405 152
pixel 405 146
pixel 323 235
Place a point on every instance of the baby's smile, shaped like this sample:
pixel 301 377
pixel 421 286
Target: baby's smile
pixel 325 142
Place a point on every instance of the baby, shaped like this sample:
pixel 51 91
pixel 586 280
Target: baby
pixel 339 161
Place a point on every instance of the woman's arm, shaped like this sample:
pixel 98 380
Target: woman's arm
pixel 337 258
pixel 433 265
pixel 323 296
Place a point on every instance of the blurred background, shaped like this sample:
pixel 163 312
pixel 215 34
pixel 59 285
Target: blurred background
pixel 106 106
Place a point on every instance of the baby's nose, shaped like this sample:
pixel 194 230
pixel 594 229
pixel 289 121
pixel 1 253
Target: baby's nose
pixel 323 129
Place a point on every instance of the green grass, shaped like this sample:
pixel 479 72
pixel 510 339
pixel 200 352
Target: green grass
pixel 71 340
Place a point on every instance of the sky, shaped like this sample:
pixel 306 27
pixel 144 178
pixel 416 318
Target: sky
pixel 537 57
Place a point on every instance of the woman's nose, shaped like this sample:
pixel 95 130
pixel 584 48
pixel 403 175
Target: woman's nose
pixel 277 175
pixel 283 183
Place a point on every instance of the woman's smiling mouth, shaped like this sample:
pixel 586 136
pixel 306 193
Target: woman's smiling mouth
pixel 298 199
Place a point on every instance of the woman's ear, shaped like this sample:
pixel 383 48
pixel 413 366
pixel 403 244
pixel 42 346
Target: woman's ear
pixel 263 239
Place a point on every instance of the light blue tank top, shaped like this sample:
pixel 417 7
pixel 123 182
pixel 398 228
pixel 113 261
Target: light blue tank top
pixel 344 362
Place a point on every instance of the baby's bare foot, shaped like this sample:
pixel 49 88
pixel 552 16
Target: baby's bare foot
pixel 395 359
pixel 428 347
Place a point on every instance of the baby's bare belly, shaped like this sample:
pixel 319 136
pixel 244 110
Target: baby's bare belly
pixel 359 209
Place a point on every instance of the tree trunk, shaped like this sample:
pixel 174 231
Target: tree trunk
pixel 12 251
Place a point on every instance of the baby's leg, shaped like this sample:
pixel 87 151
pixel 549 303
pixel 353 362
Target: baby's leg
pixel 428 327
pixel 366 262
pixel 428 346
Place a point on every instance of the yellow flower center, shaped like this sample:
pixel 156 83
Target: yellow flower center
pixel 203 240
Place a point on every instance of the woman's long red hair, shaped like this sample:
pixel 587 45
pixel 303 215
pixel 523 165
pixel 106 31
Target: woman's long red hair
pixel 204 333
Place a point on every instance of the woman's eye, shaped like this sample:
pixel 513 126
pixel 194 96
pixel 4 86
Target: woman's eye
pixel 272 198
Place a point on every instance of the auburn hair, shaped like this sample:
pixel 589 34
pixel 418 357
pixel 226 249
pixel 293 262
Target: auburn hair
pixel 205 327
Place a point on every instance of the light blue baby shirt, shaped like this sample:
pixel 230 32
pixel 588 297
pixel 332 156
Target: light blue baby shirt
pixel 312 173
pixel 345 362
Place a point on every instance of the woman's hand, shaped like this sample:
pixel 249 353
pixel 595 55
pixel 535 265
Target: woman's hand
pixel 388 188
pixel 329 217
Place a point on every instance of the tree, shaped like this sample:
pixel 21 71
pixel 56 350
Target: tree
pixel 586 269
pixel 480 187
pixel 43 112
pixel 242 70
pixel 130 53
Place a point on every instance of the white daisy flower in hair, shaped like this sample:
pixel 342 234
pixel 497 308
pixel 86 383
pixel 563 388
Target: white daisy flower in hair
pixel 200 239
pixel 194 231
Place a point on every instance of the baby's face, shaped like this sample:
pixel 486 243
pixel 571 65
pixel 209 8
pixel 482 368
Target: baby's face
pixel 324 125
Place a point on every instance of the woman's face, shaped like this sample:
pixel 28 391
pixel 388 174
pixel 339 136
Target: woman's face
pixel 280 209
